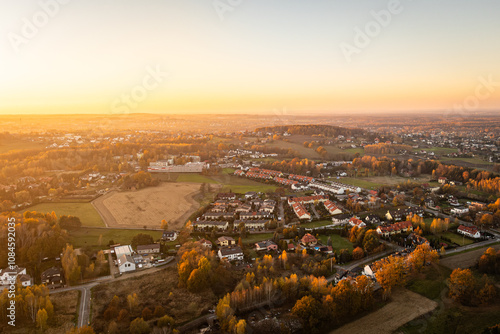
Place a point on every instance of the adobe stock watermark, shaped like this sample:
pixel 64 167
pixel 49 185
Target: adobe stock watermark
pixel 131 100
pixel 224 6
pixel 32 26
pixel 11 264
pixel 483 91
pixel 363 36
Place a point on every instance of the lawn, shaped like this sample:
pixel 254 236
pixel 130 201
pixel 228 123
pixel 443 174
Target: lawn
pixel 194 177
pixel 90 236
pixel 357 182
pixel 430 282
pixel 18 145
pixel 316 223
pixel 338 242
pixel 244 189
pixel 304 152
pixel 458 239
pixel 85 211
pixel 253 238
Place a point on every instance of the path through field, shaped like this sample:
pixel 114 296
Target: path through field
pixel 404 307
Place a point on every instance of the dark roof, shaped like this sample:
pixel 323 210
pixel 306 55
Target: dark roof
pixel 51 272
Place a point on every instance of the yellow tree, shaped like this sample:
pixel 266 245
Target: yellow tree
pixel 41 319
pixel 461 285
pixel 422 255
pixel 390 272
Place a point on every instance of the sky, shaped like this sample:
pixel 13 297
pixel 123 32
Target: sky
pixel 249 56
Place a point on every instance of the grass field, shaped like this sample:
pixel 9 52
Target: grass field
pixel 16 145
pixel 338 242
pixel 378 181
pixel 457 238
pixel 430 282
pixel 173 202
pixel 316 223
pixel 359 182
pixel 304 152
pixel 90 236
pixel 85 211
pixel 404 306
pixel 193 177
pixel 253 238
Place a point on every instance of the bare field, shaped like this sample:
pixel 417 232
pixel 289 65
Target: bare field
pixel 465 260
pixel 147 207
pixel 404 307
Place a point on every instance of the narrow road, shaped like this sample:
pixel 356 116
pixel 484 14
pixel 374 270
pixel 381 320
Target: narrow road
pixel 472 246
pixel 85 297
pixel 86 294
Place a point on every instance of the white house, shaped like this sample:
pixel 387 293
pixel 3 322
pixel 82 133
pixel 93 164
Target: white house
pixel 459 211
pixel 368 271
pixel 123 250
pixel 230 253
pixel 469 231
pixel 126 264
pixel 15 274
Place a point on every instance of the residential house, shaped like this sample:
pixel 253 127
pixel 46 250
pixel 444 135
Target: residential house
pixel 459 211
pixel 148 249
pixel 225 241
pixel 226 196
pixel 332 208
pixel 442 180
pixel 170 235
pixel 201 225
pixel 368 271
pixel 308 240
pixel 372 219
pixel 52 278
pixel 255 215
pixel 230 253
pixel 126 264
pixel 469 231
pixel 205 243
pixel 395 228
pixel 252 224
pixel 356 222
pixel 341 219
pixel 266 245
pixel 301 211
pixel 8 275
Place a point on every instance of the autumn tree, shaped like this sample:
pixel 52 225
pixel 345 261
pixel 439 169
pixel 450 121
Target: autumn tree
pixel 390 272
pixel 139 326
pixel 358 253
pixel 307 309
pixel 164 225
pixel 421 256
pixel 41 319
pixel 461 285
pixel 69 261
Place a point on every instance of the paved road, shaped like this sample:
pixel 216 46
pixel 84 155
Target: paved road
pixel 85 291
pixel 366 260
pixel 85 297
pixel 472 246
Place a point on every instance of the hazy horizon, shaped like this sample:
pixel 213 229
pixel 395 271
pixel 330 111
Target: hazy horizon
pixel 256 57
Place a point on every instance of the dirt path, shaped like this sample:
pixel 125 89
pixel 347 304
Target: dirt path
pixel 404 307
pixel 103 211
